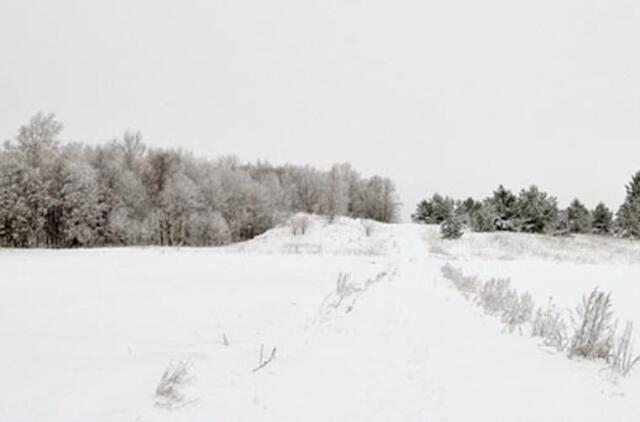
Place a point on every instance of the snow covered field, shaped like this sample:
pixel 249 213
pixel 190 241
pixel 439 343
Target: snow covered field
pixel 87 334
pixel 561 269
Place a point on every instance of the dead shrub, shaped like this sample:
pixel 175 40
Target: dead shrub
pixel 262 361
pixel 518 310
pixel 468 285
pixel 169 390
pixel 450 272
pixel 593 337
pixel 299 225
pixel 550 325
pixel 368 226
pixel 347 293
pixel 622 359
pixel 496 296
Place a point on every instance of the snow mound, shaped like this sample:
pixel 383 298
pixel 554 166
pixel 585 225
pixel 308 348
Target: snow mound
pixel 314 234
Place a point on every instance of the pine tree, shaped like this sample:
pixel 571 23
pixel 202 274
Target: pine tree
pixel 535 211
pixel 451 228
pixel 465 209
pixel 434 211
pixel 484 217
pixel 503 203
pixel 423 210
pixel 628 216
pixel 633 188
pixel 601 219
pixel 578 217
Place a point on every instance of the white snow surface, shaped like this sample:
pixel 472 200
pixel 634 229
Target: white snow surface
pixel 342 236
pixel 87 334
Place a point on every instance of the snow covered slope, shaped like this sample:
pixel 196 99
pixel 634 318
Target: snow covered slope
pixel 343 236
pixel 88 335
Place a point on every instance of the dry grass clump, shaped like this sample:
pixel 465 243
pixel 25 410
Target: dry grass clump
pixel 468 285
pixel 368 226
pixel 549 324
pixel 518 310
pixel 169 392
pixel 622 359
pixel 299 225
pixel 594 329
pixel 346 293
pixel 262 361
pixel 495 295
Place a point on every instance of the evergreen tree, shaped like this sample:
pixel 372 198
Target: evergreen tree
pixel 628 216
pixel 503 204
pixel 484 217
pixel 451 228
pixel 465 209
pixel 633 188
pixel 535 211
pixel 601 219
pixel 562 223
pixel 434 211
pixel 578 217
pixel 423 211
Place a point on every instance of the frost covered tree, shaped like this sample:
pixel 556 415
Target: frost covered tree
pixel 124 193
pixel 17 219
pixel 179 200
pixel 578 217
pixel 601 219
pixel 536 212
pixel 464 210
pixel 484 218
pixel 208 228
pixel 308 189
pixel 434 210
pixel 78 204
pixel 384 205
pixel 503 204
pixel 246 204
pixel 451 228
pixel 338 190
pixel 628 216
pixel 27 181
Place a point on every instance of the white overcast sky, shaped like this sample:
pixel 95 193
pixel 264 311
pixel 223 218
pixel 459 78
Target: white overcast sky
pixel 452 96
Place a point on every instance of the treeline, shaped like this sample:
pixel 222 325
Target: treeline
pixel 55 194
pixel 534 211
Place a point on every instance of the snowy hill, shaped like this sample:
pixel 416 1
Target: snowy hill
pixel 342 236
pixel 360 328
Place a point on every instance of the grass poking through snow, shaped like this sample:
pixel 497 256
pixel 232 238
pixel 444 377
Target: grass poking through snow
pixel 594 329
